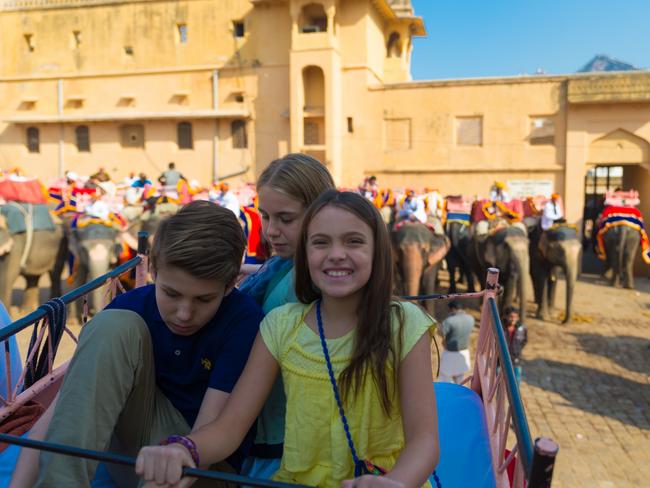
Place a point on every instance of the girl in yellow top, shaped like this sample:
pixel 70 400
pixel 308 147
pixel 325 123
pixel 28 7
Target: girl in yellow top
pixel 380 355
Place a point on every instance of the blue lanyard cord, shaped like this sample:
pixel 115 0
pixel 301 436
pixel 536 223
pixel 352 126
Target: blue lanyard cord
pixel 359 466
pixel 337 396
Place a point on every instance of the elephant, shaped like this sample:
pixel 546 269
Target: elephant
pixel 621 244
pixel 505 248
pixel 563 250
pixel 141 219
pixel 94 247
pixel 417 253
pixel 44 248
pixel 459 255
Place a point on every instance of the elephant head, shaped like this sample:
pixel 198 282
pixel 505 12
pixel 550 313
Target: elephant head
pixel 507 250
pixel 418 253
pixel 563 250
pixel 95 249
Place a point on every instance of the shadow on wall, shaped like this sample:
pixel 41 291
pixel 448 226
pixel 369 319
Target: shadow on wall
pixel 630 352
pixel 591 390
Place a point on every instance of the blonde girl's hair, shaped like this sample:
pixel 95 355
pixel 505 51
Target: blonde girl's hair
pixel 376 348
pixel 298 176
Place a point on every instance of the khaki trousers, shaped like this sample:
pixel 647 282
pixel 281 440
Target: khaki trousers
pixel 108 401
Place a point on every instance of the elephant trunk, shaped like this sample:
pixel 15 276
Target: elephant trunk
pixel 520 260
pixel 99 263
pixel 412 266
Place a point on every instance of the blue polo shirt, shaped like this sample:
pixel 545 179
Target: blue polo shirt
pixel 214 357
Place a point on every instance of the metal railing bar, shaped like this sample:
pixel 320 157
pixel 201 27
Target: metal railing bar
pixel 113 458
pixel 71 296
pixel 522 431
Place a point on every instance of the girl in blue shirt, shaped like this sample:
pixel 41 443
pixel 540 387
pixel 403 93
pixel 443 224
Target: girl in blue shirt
pixel 285 189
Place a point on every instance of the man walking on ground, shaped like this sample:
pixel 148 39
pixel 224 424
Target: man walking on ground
pixel 455 331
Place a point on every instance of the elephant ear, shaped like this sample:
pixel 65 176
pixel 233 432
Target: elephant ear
pixel 437 251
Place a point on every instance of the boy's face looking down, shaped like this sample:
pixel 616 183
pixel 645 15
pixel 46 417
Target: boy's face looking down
pixel 187 303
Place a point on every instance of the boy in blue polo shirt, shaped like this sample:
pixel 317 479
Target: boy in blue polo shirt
pixel 161 359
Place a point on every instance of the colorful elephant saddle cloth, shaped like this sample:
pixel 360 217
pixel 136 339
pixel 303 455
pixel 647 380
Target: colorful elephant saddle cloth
pixel 18 214
pixel 614 216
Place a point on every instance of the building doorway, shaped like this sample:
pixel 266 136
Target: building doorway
pixel 598 180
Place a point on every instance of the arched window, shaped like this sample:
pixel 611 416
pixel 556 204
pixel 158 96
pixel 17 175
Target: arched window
pixel 394 46
pixel 184 136
pixel 313 18
pixel 238 132
pixel 82 135
pixel 33 140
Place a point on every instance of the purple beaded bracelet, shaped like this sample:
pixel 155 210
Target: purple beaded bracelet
pixel 186 442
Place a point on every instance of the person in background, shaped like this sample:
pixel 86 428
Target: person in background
pixel 369 188
pixel 498 192
pixel 455 331
pixel 552 212
pixel 411 208
pixel 142 181
pixel 171 177
pixel 225 198
pixel 517 337
pixel 101 176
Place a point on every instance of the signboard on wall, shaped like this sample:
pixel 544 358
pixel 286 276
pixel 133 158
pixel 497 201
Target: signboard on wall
pixel 530 188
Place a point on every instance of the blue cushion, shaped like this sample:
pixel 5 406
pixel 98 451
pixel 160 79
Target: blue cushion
pixel 16 363
pixel 465 458
pixel 8 459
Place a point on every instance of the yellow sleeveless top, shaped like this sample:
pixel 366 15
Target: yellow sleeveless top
pixel 316 451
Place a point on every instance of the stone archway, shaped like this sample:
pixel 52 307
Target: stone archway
pixel 619 147
pixel 629 154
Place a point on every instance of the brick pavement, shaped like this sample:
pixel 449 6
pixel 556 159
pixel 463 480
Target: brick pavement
pixel 587 385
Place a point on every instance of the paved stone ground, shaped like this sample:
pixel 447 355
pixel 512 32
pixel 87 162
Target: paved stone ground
pixel 585 384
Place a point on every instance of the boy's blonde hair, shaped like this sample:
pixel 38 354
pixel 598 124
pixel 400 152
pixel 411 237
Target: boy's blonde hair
pixel 297 176
pixel 202 239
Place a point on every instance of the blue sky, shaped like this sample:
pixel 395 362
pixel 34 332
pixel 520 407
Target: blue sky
pixel 473 38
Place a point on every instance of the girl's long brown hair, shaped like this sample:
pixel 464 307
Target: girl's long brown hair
pixel 374 347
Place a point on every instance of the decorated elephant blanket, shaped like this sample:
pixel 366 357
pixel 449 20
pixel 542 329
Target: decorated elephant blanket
pixel 22 190
pixel 457 209
pixel 486 209
pixel 614 216
pixel 15 214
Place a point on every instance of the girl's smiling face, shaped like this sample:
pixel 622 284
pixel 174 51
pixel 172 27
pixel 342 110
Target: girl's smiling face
pixel 340 249
pixel 281 220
